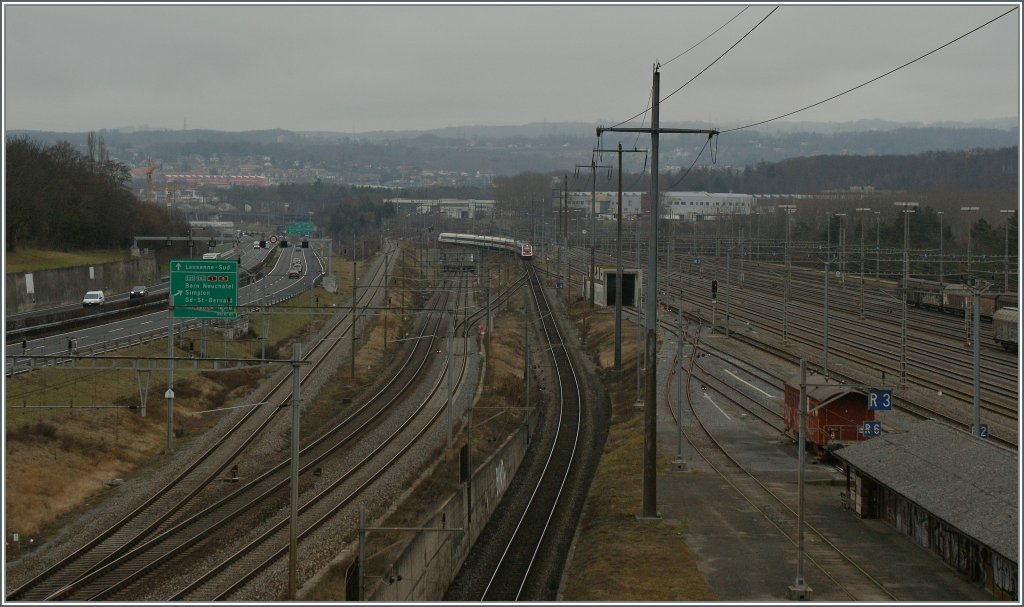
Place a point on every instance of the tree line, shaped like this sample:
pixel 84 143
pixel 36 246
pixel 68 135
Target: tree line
pixel 60 199
pixel 341 211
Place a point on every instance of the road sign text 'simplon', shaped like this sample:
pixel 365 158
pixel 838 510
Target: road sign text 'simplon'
pixel 204 288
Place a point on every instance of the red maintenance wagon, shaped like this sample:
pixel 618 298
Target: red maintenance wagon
pixel 837 412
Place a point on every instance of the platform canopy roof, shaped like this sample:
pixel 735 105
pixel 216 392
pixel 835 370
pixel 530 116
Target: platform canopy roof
pixel 970 483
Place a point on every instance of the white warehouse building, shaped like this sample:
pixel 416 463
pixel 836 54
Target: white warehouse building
pixel 674 205
pixel 689 205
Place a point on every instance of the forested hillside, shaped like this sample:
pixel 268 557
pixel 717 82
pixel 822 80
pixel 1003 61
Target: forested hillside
pixel 60 199
pixel 993 170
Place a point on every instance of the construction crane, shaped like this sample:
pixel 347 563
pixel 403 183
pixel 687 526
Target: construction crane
pixel 149 181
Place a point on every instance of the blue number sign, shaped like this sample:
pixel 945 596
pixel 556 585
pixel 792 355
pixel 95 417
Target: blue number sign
pixel 879 399
pixel 872 429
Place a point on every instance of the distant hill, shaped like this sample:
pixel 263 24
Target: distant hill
pixel 542 146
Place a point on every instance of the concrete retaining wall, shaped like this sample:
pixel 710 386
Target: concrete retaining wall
pixel 432 558
pixel 47 288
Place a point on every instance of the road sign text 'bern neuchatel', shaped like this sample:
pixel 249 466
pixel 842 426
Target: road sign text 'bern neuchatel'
pixel 204 288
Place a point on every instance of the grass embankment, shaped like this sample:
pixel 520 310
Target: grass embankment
pixel 26 260
pixel 618 557
pixel 69 430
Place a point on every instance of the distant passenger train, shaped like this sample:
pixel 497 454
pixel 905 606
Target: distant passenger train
pixel 524 249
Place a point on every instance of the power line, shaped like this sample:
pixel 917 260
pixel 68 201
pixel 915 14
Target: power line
pixel 706 37
pixel 649 105
pixel 706 141
pixel 875 78
pixel 636 141
pixel 640 175
pixel 722 55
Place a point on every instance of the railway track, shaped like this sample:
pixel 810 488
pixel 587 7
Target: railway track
pixel 998 392
pixel 521 551
pixel 269 487
pixel 851 344
pixel 821 552
pixel 386 429
pixel 206 468
pixel 529 565
pixel 417 428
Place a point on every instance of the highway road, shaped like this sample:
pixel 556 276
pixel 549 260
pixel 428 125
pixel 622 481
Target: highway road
pixel 265 287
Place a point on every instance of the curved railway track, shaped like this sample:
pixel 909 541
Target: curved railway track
pixel 521 550
pixel 868 343
pixel 319 505
pixel 529 565
pixel 127 577
pixel 822 553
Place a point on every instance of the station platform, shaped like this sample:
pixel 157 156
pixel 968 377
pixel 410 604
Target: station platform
pixel 740 552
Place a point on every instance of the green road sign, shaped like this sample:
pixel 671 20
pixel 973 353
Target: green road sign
pixel 301 229
pixel 204 288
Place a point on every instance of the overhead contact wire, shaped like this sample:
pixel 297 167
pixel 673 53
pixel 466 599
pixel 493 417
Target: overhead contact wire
pixel 706 37
pixel 739 128
pixel 665 98
pixel 701 152
pixel 649 105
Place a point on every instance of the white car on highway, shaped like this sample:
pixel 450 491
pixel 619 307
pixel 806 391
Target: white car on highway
pixel 93 298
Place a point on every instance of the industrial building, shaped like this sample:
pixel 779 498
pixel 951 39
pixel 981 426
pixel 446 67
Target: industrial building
pixel 674 205
pixel 453 208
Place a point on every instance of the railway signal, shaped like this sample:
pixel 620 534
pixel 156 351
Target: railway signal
pixel 714 290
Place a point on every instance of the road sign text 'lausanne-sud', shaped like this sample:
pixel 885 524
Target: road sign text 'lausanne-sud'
pixel 204 288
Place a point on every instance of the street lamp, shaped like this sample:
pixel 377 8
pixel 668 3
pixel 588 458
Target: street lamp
pixel 862 210
pixel 828 232
pixel 942 275
pixel 878 231
pixel 842 248
pixel 1006 250
pixel 970 228
pixel 907 208
pixel 788 209
pixel 967 277
pixel 757 236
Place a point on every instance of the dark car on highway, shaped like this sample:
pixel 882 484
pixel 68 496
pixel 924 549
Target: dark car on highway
pixel 138 291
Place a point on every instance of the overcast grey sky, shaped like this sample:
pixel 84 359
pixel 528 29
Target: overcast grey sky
pixel 364 68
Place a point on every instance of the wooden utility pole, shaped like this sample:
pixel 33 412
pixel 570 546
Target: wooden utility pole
pixel 651 304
